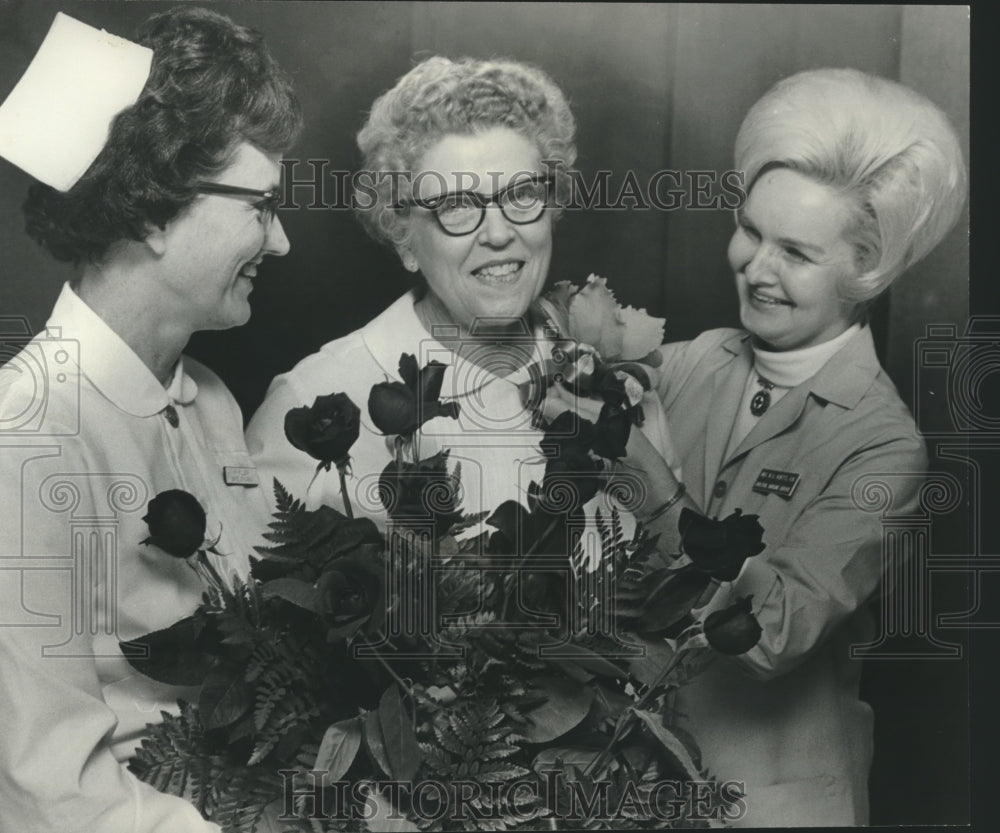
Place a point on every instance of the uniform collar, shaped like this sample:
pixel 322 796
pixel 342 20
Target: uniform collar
pixel 845 377
pixel 110 365
pixel 399 324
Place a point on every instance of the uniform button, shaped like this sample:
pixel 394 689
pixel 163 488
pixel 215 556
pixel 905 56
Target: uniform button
pixel 720 488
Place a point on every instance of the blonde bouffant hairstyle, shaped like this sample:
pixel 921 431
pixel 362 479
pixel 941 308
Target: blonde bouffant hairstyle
pixel 882 143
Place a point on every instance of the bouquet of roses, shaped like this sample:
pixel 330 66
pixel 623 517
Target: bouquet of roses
pixel 603 352
pixel 419 679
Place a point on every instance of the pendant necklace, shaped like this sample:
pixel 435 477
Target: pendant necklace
pixel 761 399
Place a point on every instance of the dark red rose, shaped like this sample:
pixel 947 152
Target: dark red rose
pixel 570 481
pixel 348 590
pixel 176 522
pixel 325 430
pixel 572 475
pixel 417 494
pixel 393 408
pixel 614 425
pixel 734 629
pixel 402 407
pixel 566 433
pixel 719 548
pixel 610 387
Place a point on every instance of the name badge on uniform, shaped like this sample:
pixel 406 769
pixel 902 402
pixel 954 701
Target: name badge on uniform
pixel 240 476
pixel 771 481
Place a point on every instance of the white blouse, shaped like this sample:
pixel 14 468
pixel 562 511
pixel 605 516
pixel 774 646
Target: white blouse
pixel 91 436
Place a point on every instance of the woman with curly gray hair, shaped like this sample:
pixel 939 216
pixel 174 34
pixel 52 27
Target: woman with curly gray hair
pixel 462 159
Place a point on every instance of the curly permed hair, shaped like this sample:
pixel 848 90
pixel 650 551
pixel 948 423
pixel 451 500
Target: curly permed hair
pixel 212 85
pixel 439 97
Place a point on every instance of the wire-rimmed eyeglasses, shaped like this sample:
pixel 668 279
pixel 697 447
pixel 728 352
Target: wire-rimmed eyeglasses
pixel 462 212
pixel 267 201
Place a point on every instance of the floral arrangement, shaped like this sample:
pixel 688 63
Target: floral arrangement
pixel 602 351
pixel 426 678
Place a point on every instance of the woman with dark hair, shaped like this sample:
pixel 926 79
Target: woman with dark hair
pixel 851 179
pixel 168 227
pixel 463 157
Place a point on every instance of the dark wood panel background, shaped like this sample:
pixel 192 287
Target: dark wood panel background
pixel 653 87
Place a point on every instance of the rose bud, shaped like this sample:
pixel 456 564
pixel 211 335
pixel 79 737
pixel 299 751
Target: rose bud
pixel 510 519
pixel 326 430
pixel 425 383
pixel 176 522
pixel 719 548
pixel 734 629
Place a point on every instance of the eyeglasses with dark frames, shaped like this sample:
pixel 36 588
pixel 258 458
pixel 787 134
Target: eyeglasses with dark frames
pixel 462 212
pixel 267 201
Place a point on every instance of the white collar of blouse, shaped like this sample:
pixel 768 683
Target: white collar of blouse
pixel 110 365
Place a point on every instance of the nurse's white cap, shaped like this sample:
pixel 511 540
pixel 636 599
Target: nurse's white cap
pixel 56 120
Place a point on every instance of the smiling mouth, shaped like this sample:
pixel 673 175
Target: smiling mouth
pixel 499 274
pixel 768 301
pixel 249 271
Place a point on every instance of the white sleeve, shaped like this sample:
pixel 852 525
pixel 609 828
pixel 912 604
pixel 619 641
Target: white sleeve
pixel 57 772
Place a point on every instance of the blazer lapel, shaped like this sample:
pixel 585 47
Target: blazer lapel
pixel 843 380
pixel 727 387
pixel 779 418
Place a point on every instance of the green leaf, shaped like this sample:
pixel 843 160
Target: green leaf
pixel 672 598
pixel 173 655
pixel 581 675
pixel 345 631
pixel 299 593
pixel 224 698
pixel 400 739
pixel 566 704
pixel 372 731
pixel 559 757
pixel 658 655
pixel 672 743
pixel 585 658
pixel 339 747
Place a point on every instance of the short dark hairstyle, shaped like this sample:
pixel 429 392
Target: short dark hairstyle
pixel 212 85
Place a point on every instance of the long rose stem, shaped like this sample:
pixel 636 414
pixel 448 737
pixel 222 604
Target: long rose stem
pixel 387 667
pixel 342 471
pixel 628 717
pixel 524 559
